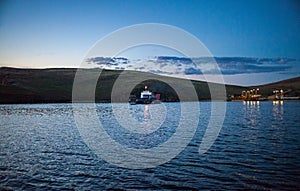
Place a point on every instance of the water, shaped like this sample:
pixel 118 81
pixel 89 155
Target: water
pixel 258 148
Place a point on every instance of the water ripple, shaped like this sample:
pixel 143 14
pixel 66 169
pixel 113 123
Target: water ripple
pixel 258 148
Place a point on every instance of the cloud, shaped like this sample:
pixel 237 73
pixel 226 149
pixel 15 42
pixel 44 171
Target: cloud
pixel 160 72
pixel 173 59
pixel 227 65
pixel 107 61
pixel 197 66
pixel 192 71
pixel 120 68
pixel 237 65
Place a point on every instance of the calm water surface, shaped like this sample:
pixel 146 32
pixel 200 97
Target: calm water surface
pixel 258 148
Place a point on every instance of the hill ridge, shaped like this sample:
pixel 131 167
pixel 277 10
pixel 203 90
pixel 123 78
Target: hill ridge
pixel 55 86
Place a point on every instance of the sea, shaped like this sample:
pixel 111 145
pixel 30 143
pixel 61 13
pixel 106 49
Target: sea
pixel 257 147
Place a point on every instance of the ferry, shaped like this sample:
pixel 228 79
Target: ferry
pixel 147 97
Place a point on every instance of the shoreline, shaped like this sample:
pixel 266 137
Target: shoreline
pixel 46 103
pixel 38 86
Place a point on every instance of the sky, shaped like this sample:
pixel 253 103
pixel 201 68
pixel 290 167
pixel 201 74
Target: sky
pixel 59 33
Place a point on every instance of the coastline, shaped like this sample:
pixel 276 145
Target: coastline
pixel 38 86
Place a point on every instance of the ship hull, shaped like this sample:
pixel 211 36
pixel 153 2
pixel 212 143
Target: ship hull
pixel 147 101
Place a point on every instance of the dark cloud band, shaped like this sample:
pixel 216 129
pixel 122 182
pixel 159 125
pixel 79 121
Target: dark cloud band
pixel 198 66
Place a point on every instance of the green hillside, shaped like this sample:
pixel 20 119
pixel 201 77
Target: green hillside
pixel 55 85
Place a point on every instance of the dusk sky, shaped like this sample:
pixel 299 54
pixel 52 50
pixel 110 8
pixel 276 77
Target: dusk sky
pixel 43 34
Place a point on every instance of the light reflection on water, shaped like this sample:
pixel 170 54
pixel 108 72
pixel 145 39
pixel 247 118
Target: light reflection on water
pixel 146 113
pixel 251 111
pixel 278 110
pixel 258 148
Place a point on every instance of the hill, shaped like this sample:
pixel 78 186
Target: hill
pixel 291 87
pixel 55 85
